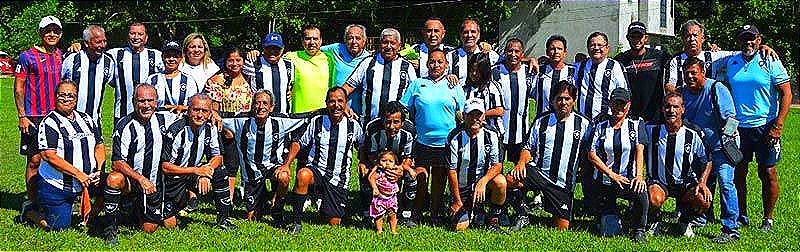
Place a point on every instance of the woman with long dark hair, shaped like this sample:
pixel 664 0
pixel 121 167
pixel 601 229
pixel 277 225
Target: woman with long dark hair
pixel 232 96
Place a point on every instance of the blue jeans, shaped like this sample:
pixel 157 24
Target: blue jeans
pixel 729 210
pixel 57 205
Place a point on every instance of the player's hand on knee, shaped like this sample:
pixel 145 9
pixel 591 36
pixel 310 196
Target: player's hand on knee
pixel 147 186
pixel 203 185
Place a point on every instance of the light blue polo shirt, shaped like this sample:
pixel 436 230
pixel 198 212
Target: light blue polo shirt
pixel 344 65
pixel 699 110
pixel 434 106
pixel 754 87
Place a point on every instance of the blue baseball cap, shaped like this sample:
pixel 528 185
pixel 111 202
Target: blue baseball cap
pixel 272 39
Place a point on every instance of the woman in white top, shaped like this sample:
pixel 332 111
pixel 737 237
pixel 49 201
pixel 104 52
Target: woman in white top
pixel 197 59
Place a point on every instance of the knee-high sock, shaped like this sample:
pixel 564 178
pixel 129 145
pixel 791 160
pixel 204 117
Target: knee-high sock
pixel 222 197
pixel 111 204
pixel 518 201
pixel 365 193
pixel 407 195
pixel 297 207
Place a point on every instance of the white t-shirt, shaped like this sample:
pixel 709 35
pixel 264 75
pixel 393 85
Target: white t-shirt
pixel 199 73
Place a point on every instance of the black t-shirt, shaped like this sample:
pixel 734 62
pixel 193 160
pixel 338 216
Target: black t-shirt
pixel 646 81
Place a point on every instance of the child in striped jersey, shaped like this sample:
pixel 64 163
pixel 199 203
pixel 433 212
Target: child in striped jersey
pixel 383 180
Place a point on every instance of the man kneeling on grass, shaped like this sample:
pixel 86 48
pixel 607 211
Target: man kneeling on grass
pixel 188 141
pixel 474 165
pixel 139 140
pixel 677 167
pixel 330 138
pixel 549 158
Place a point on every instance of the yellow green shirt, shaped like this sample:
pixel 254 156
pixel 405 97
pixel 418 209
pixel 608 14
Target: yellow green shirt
pixel 312 78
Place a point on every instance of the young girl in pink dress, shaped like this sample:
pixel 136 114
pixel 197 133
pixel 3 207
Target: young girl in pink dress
pixel 384 191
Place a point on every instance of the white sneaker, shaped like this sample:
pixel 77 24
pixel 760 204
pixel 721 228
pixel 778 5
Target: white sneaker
pixel 654 228
pixel 686 230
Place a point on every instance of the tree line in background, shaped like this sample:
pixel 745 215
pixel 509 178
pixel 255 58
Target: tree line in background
pixel 228 23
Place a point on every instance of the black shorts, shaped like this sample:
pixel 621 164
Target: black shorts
pixel 28 143
pixel 255 194
pixel 426 156
pixel 512 152
pixel 557 201
pixel 754 143
pixel 674 191
pixel 334 198
pixel 148 207
pixel 176 189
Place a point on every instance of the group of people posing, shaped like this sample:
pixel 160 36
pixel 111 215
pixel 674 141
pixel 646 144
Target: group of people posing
pixel 643 127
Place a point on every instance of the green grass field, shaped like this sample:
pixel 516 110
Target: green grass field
pixel 196 231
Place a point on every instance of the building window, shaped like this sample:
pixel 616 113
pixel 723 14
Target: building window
pixel 663 14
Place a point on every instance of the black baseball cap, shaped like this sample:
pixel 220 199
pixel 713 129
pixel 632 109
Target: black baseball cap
pixel 748 30
pixel 637 27
pixel 171 46
pixel 620 94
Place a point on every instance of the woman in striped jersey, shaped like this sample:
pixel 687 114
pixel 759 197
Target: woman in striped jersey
pixel 618 156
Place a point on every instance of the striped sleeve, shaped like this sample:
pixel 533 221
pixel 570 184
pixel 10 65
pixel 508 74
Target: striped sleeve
pixel 66 66
pixel 48 134
pixel 119 150
pixel 452 147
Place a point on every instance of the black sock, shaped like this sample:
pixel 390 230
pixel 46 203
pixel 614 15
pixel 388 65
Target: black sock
pixel 297 207
pixel 407 196
pixel 111 204
pixel 222 200
pixel 518 201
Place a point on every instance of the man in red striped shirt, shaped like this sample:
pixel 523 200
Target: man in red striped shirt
pixel 37 74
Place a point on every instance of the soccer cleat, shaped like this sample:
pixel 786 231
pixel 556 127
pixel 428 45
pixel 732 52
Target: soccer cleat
pixel 726 237
pixel 407 222
pixel 537 202
pixel 743 221
pixel 226 225
pixel 494 225
pixel 638 237
pixel 295 228
pixel 192 206
pixel 766 225
pixel 520 223
pixel 685 229
pixel 111 237
pixel 655 228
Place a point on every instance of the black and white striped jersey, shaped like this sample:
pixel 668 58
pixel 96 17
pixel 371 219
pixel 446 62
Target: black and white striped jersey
pixel 617 147
pixel 133 68
pixel 492 98
pixel 277 78
pixel 380 82
pixel 595 83
pixel 91 76
pixel 330 147
pixel 187 147
pixel 262 147
pixel 516 88
pixel 472 157
pixel 674 158
pixel 140 144
pixel 74 141
pixel 546 80
pixel 555 147
pixel 174 91
pixel 457 61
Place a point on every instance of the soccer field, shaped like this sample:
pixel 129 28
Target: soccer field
pixel 196 231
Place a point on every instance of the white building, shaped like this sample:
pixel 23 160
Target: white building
pixel 533 22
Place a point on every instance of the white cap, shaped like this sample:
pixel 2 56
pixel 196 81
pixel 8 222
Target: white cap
pixel 48 20
pixel 474 104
